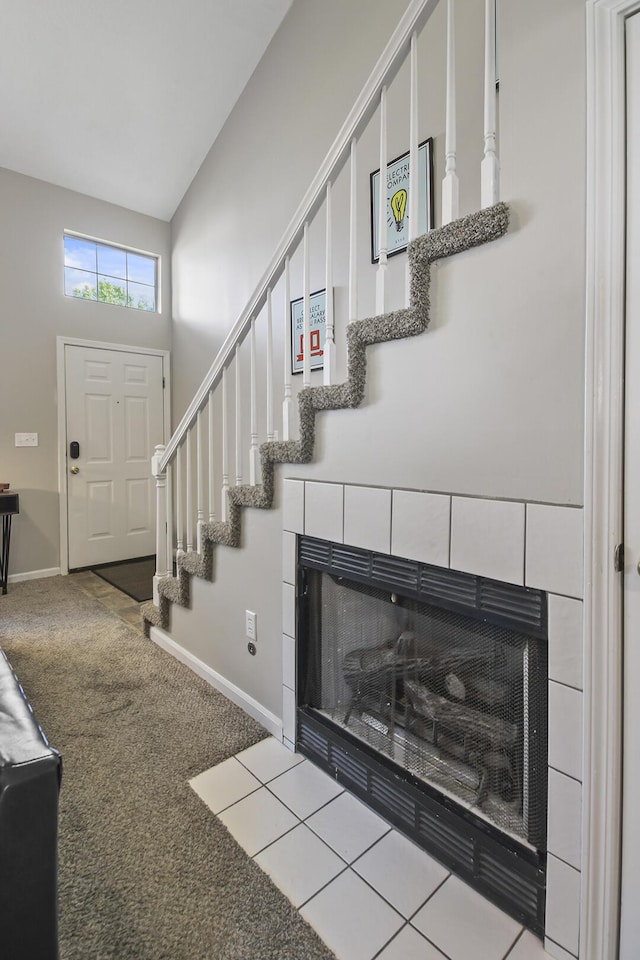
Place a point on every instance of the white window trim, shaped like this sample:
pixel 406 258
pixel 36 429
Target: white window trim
pixel 127 249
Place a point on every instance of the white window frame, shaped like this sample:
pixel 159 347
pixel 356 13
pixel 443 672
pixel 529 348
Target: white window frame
pixel 125 249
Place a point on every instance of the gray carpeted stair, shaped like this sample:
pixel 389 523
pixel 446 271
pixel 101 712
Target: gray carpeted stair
pixel 463 234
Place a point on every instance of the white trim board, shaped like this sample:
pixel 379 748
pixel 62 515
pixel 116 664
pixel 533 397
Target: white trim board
pixel 61 343
pixel 604 377
pixel 268 720
pixel 34 575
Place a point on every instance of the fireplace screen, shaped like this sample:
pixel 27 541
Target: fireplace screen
pixel 458 703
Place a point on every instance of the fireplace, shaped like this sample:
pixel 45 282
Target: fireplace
pixel 424 691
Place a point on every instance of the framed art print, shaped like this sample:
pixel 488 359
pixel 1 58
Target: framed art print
pixel 317 329
pixel 397 201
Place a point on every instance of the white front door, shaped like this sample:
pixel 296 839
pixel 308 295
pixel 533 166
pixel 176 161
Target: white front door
pixel 115 416
pixel 630 897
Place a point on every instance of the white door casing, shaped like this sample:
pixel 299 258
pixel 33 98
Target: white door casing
pixel 630 880
pixel 113 404
pixel 604 374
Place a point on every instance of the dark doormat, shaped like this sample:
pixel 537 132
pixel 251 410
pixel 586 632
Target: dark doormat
pixel 133 577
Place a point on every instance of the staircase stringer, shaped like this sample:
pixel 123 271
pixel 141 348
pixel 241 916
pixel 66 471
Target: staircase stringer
pixel 455 237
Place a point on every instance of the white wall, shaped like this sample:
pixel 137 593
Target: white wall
pixel 489 402
pixel 34 312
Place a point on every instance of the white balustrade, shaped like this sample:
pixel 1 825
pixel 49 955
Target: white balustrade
pixel 175 485
pixel 225 441
pixel 450 187
pixel 179 514
pixel 212 489
pixel 306 310
pixel 382 207
pixel 286 403
pixel 490 168
pixel 238 419
pixel 270 427
pixel 188 483
pixel 328 359
pixel 161 513
pixel 200 482
pixel 414 180
pixel 253 448
pixel 169 516
pixel 353 234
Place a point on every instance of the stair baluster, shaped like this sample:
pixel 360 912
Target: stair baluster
pixel 450 187
pixel 490 168
pixel 328 358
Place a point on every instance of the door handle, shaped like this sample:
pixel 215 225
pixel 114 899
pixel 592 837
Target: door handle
pixel 75 470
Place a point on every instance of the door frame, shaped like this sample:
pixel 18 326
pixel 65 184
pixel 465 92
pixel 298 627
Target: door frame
pixel 603 476
pixel 61 343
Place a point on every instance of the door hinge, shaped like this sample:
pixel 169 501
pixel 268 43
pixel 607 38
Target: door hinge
pixel 618 558
pixel 163 383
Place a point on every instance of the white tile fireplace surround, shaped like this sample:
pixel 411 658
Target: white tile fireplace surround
pixel 529 544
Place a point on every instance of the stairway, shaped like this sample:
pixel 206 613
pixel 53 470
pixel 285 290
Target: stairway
pixel 456 237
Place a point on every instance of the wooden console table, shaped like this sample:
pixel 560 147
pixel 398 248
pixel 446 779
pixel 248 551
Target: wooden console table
pixel 9 505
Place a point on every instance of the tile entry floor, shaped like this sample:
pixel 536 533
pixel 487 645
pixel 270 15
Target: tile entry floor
pixel 366 890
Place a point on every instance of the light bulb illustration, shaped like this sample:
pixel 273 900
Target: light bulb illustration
pixel 398 206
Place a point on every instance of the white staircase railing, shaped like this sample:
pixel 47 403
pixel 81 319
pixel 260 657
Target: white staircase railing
pixel 242 401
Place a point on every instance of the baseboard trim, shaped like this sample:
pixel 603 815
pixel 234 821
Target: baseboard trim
pixel 34 575
pixel 268 720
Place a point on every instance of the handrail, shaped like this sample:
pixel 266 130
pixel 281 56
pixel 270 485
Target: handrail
pixel 414 17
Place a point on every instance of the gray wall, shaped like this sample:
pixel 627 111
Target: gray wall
pixel 490 401
pixel 34 312
pixel 237 208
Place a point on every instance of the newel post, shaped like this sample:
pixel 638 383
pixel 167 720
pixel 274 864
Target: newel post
pixel 161 520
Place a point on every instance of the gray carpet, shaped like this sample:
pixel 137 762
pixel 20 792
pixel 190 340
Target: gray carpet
pixel 146 871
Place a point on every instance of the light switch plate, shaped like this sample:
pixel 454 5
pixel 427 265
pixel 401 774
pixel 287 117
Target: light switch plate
pixel 26 439
pixel 251 621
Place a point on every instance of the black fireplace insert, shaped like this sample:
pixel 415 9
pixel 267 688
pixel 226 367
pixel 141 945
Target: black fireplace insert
pixel 424 691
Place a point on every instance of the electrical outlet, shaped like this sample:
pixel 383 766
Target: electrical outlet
pixel 251 622
pixel 26 439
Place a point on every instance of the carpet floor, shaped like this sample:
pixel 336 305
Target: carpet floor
pixel 134 577
pixel 146 871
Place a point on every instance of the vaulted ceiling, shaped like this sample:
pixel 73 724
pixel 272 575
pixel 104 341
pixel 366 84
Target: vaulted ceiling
pixel 122 99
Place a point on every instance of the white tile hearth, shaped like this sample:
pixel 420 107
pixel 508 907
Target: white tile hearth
pixel 403 873
pixel 268 759
pixel 304 789
pixel 300 864
pixel 410 945
pixel 366 911
pixel 463 924
pixel 528 947
pixel 348 826
pixel 258 820
pixel 352 919
pixel 224 784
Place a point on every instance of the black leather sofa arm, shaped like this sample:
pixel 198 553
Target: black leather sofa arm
pixel 30 774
